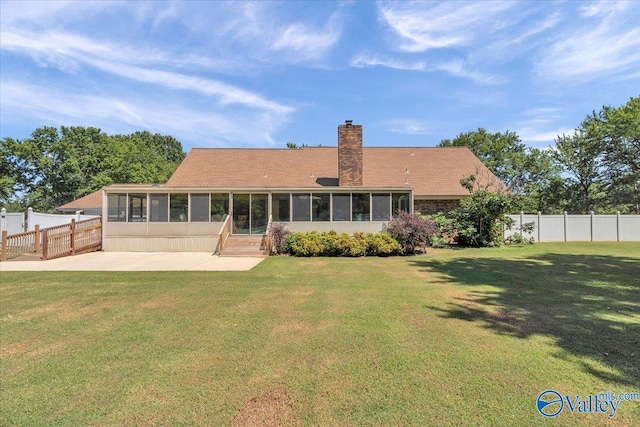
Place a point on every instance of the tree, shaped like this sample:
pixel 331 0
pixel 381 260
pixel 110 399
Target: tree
pixel 540 178
pixel 294 146
pixel 529 173
pixel 54 167
pixel 502 153
pixel 479 219
pixel 580 156
pixel 144 158
pixel 9 175
pixel 618 130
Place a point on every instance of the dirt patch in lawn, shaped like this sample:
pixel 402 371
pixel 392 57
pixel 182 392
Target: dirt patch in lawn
pixel 274 408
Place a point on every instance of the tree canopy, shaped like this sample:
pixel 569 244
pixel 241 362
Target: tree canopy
pixel 527 172
pixel 602 161
pixel 597 168
pixel 54 167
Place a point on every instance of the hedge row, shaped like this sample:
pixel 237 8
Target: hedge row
pixel 333 244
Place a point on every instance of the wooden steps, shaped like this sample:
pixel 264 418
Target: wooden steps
pixel 241 245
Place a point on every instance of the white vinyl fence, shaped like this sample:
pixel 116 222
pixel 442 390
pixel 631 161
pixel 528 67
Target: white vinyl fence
pixel 12 222
pixel 579 228
pixel 52 220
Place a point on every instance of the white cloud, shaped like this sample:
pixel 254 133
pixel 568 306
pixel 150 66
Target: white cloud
pixel 209 87
pixel 215 127
pixel 426 25
pixel 66 51
pixel 407 126
pixel 459 69
pixel 18 12
pixel 307 42
pixel 603 8
pixel 367 60
pixel 531 135
pixel 512 43
pixel 261 34
pixel 251 35
pixel 604 42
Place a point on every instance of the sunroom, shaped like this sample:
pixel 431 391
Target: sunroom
pixel 159 218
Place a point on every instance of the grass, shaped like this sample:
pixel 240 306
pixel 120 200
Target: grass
pixel 455 337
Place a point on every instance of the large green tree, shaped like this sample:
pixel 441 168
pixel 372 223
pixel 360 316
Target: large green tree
pixel 529 173
pixel 618 131
pixel 53 167
pixel 502 153
pixel 580 156
pixel 601 162
pixel 8 175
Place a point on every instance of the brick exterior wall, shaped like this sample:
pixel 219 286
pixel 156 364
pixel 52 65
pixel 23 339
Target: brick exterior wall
pixel 350 155
pixel 428 207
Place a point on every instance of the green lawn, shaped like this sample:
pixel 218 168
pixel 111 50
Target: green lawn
pixel 454 337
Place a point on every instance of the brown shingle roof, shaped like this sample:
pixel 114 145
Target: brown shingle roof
pixel 430 171
pixel 93 200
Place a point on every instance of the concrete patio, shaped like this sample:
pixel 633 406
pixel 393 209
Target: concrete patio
pixel 135 261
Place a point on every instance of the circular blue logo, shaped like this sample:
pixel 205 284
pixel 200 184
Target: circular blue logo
pixel 550 403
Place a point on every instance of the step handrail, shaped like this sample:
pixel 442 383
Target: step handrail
pixel 225 232
pixel 268 236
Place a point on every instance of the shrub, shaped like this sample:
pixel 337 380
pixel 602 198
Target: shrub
pixel 410 231
pixel 480 218
pixel 333 244
pixel 359 244
pixel 288 242
pixel 278 233
pixel 307 244
pixel 336 244
pixel 518 237
pixel 446 229
pixel 382 244
pixel 438 241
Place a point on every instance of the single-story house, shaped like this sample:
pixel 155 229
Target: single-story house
pixel 91 204
pixel 347 188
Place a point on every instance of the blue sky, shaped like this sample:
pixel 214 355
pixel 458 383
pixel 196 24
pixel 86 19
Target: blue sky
pixel 261 74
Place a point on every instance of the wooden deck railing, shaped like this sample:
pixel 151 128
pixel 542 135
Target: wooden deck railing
pixel 224 233
pixel 71 239
pixel 21 243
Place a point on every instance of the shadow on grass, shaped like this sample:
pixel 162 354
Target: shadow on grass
pixel 590 304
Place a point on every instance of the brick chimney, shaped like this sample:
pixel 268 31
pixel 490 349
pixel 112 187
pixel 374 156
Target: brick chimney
pixel 349 154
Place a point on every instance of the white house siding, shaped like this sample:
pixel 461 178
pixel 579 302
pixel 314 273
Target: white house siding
pixel 339 226
pixel 160 244
pixel 160 237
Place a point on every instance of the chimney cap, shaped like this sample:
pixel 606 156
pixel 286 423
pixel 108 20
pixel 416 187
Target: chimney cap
pixel 348 122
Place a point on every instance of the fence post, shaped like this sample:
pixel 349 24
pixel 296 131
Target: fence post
pixel 73 236
pixel 592 213
pixel 539 220
pixel 565 226
pixel 45 244
pixel 618 226
pixel 3 216
pixel 36 239
pixel 29 219
pixel 3 250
